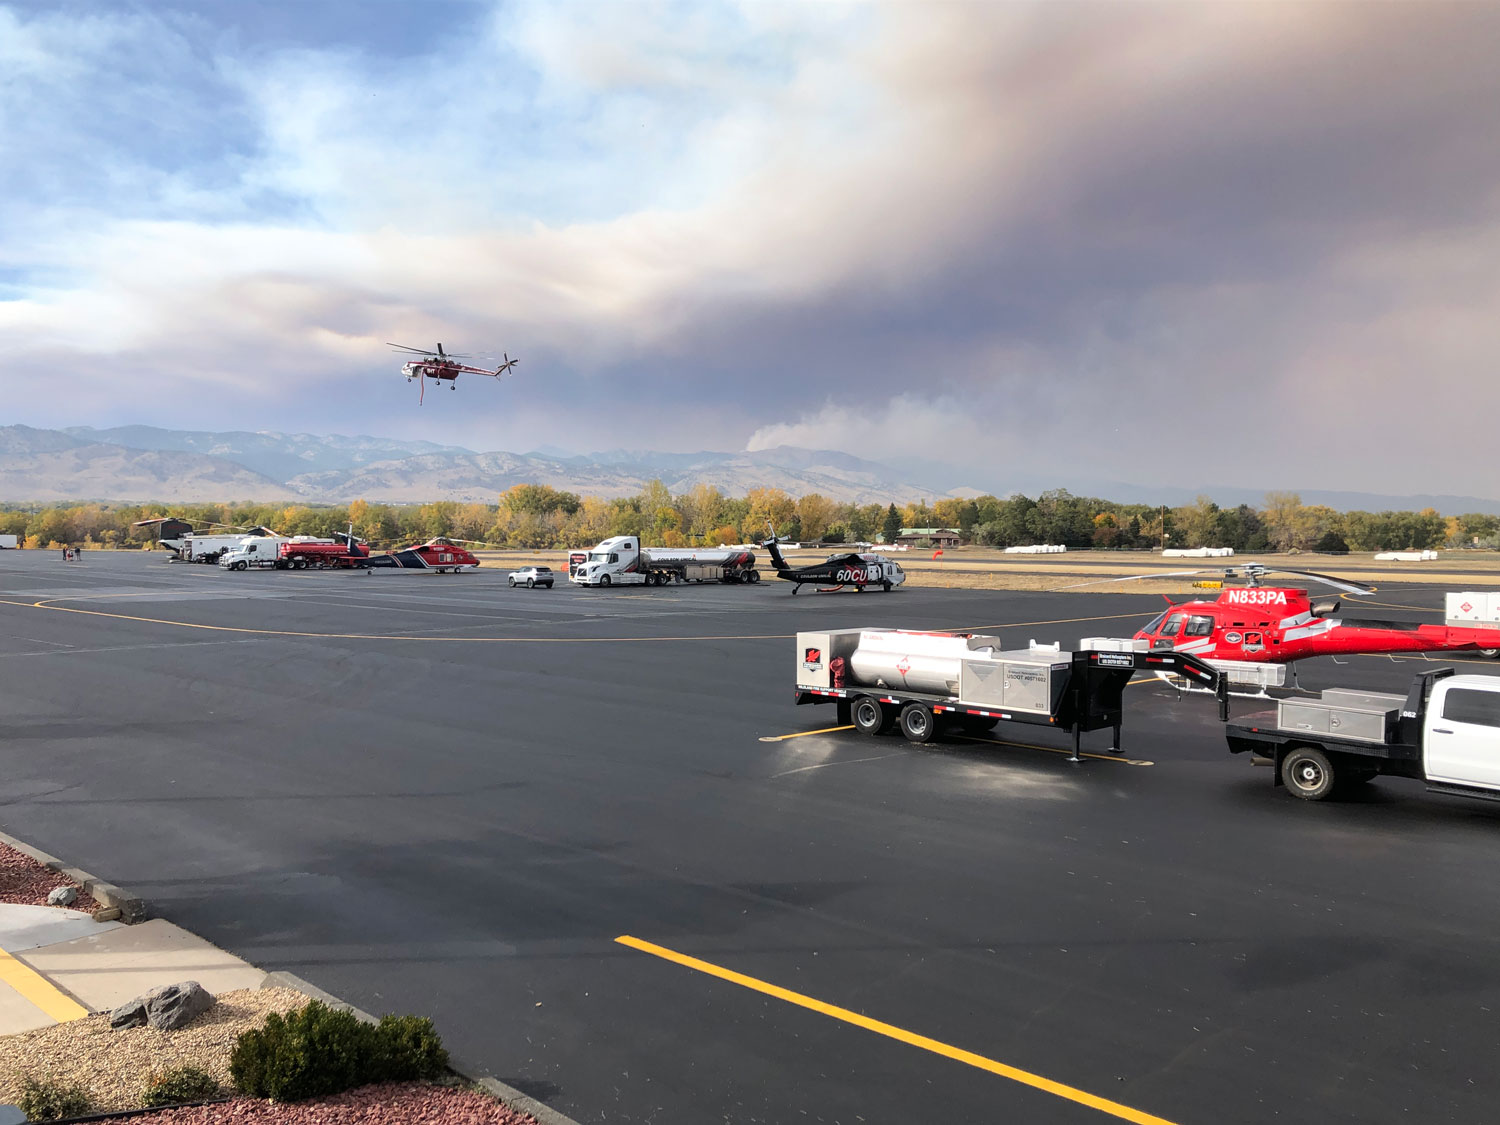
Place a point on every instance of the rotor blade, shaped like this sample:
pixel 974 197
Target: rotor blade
pixel 1136 578
pixel 1328 580
pixel 404 348
pixel 440 347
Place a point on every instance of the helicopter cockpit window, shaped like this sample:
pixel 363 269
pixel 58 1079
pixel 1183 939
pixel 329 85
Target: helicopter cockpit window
pixel 1173 626
pixel 1155 622
pixel 1199 627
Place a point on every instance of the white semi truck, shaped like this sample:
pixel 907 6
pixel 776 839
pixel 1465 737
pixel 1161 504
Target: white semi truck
pixel 621 561
pixel 197 548
pixel 277 551
pixel 1445 731
pixel 921 682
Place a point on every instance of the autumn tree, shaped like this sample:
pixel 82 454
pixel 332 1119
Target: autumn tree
pixel 816 514
pixel 766 506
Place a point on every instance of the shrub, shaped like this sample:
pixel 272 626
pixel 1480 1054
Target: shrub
pixel 180 1084
pixel 407 1048
pixel 319 1050
pixel 46 1100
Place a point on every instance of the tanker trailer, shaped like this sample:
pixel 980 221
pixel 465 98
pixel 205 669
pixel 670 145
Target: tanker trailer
pixel 923 681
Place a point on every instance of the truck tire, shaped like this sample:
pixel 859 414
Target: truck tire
pixel 917 723
pixel 868 715
pixel 604 580
pixel 753 577
pixel 241 565
pixel 1307 773
pixel 1492 653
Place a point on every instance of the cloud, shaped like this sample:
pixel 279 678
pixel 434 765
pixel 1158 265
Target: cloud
pixel 966 231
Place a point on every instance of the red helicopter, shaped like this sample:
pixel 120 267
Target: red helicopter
pixel 1277 625
pixel 438 553
pixel 444 366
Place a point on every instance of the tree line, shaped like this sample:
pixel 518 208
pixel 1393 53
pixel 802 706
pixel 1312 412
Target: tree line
pixel 540 516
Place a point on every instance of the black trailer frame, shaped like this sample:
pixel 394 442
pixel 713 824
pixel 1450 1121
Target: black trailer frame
pixel 1092 699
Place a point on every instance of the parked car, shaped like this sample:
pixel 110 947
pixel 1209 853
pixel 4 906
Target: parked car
pixel 530 576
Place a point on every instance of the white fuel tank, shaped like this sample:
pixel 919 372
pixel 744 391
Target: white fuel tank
pixel 927 662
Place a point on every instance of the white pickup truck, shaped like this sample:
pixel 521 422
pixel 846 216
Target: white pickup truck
pixel 1445 731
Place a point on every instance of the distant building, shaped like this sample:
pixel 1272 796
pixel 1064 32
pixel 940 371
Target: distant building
pixel 937 536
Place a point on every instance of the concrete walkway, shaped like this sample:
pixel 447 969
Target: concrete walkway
pixel 58 965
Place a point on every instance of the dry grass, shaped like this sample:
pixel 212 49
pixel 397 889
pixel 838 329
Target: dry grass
pixel 987 568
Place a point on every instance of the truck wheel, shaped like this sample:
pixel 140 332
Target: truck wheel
pixel 1492 653
pixel 887 586
pixel 753 577
pixel 604 580
pixel 241 565
pixel 917 722
pixel 1307 773
pixel 868 715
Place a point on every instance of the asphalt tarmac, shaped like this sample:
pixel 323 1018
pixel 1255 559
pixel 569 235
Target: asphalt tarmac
pixel 437 794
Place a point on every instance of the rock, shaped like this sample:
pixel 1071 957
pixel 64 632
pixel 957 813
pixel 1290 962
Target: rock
pixel 131 1014
pixel 62 896
pixel 166 1008
pixel 106 914
pixel 176 1005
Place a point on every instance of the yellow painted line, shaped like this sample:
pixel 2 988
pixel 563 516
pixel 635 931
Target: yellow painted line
pixel 44 604
pixel 805 733
pixel 39 991
pixel 890 1031
pixel 1116 758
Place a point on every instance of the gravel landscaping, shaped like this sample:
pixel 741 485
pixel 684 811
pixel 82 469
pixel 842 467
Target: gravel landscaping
pixel 112 1066
pixel 410 1103
pixel 26 882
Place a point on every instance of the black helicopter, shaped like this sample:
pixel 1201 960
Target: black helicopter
pixel 838 571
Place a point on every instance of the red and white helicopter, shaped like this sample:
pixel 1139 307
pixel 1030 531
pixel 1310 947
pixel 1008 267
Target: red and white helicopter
pixel 443 367
pixel 438 553
pixel 1277 624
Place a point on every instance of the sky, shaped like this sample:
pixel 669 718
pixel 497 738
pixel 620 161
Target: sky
pixel 1243 244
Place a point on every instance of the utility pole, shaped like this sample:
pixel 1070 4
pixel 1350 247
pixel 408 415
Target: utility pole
pixel 1163 527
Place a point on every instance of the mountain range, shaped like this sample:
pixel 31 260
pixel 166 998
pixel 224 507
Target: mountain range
pixel 140 463
pixel 146 463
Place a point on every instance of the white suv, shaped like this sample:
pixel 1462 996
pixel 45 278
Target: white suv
pixel 530 576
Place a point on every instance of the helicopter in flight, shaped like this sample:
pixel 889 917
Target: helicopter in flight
pixel 1257 623
pixel 442 367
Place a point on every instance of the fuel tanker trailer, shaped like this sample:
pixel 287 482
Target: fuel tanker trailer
pixel 622 561
pixel 926 682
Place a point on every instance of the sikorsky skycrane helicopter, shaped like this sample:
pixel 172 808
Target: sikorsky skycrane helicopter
pixel 838 571
pixel 444 367
pixel 1275 624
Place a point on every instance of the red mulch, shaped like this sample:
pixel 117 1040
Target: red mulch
pixel 25 881
pixel 412 1103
